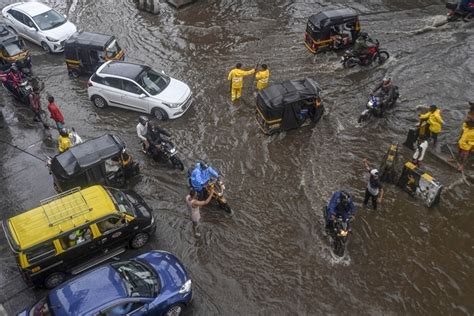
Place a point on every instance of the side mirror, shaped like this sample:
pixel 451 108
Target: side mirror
pixel 142 96
pixel 163 72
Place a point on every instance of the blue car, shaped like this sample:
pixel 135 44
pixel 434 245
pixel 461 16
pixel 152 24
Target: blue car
pixel 154 283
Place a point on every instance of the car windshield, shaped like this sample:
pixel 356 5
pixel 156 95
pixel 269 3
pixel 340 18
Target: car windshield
pixel 14 48
pixel 49 20
pixel 153 82
pixel 122 202
pixel 113 49
pixel 139 280
pixel 41 309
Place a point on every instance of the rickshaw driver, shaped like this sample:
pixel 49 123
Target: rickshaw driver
pixel 200 178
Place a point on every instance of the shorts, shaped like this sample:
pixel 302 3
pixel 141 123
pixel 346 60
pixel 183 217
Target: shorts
pixel 59 125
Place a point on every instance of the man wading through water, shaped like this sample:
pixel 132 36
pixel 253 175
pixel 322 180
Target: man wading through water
pixel 374 190
pixel 194 206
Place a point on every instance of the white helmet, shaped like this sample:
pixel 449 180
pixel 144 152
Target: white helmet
pixel 374 172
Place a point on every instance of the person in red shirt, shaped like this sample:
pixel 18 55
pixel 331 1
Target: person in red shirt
pixel 56 115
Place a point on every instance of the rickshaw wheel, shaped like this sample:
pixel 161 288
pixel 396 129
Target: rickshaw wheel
pixel 349 63
pixel 74 73
pixel 99 101
pixel 45 47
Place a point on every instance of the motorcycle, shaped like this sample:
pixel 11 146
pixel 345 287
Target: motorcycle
pixel 339 234
pixel 25 87
pixel 454 14
pixel 349 59
pixel 218 195
pixel 167 152
pixel 374 106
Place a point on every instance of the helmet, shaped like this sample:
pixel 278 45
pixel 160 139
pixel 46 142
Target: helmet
pixel 374 172
pixel 364 35
pixel 143 120
pixel 14 68
pixel 63 132
pixel 342 202
pixel 203 165
pixel 386 78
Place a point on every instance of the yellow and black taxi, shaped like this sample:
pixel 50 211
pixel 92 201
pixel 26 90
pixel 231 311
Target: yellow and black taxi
pixel 13 49
pixel 289 105
pixel 85 52
pixel 76 230
pixel 333 29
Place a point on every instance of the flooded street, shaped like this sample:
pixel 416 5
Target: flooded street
pixel 272 256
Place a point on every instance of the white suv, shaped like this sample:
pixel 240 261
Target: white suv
pixel 40 24
pixel 138 88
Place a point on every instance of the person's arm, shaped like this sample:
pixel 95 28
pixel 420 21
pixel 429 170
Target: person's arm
pixel 352 208
pixel 366 164
pixel 197 203
pixel 162 131
pixel 249 72
pixel 139 133
pixel 333 204
pixel 424 116
pixel 259 75
pixel 381 195
pixel 229 77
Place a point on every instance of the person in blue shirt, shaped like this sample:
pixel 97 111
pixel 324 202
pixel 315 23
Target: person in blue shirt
pixel 200 178
pixel 340 205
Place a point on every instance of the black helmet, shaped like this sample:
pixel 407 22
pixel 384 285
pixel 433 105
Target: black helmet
pixel 143 120
pixel 364 35
pixel 203 165
pixel 63 132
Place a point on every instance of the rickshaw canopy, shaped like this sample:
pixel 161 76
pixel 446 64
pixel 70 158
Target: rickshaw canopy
pixel 89 40
pixel 80 158
pixel 285 100
pixel 326 19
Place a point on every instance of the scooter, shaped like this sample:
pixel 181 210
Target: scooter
pixel 167 152
pixel 374 106
pixel 339 233
pixel 454 14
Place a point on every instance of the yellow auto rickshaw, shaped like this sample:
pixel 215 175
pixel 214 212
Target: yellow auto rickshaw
pixel 85 52
pixel 13 49
pixel 333 30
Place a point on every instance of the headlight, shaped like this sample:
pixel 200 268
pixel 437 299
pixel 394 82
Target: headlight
pixel 171 105
pixel 51 39
pixel 370 104
pixel 186 288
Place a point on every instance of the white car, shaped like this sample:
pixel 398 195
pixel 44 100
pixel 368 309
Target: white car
pixel 40 24
pixel 139 88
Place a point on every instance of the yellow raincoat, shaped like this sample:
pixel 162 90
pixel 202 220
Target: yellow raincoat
pixel 237 77
pixel 434 119
pixel 262 79
pixel 64 143
pixel 466 142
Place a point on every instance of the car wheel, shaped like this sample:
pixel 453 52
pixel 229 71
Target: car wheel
pixel 174 310
pixel 99 102
pixel 45 47
pixel 159 114
pixel 54 279
pixel 139 240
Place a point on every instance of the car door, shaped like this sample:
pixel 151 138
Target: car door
pixel 15 19
pixel 134 97
pixel 113 92
pixel 114 232
pixel 31 30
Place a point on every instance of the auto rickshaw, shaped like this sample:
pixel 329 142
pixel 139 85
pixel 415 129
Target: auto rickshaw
pixel 12 49
pixel 85 52
pixel 288 105
pixel 334 29
pixel 103 160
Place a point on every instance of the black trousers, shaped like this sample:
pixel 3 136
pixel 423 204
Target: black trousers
pixel 368 196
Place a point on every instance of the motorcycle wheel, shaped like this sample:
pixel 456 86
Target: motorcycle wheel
pixel 363 117
pixel 382 57
pixel 349 63
pixel 177 163
pixel 339 247
pixel 225 206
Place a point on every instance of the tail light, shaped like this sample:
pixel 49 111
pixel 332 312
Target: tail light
pixel 89 83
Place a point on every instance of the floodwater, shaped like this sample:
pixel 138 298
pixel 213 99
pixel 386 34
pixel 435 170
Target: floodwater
pixel 272 257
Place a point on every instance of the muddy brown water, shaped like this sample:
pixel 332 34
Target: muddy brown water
pixel 271 257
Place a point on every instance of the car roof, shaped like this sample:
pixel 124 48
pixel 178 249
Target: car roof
pixel 59 214
pixel 32 8
pixel 88 291
pixel 122 69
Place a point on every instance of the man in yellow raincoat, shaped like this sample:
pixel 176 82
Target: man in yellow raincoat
pixel 64 142
pixel 466 143
pixel 236 76
pixel 262 77
pixel 434 120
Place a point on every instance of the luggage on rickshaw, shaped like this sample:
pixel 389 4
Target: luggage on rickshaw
pixel 12 49
pixel 85 52
pixel 103 160
pixel 333 29
pixel 289 105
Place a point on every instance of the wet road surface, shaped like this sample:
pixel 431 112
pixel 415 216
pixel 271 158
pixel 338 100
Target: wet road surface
pixel 272 256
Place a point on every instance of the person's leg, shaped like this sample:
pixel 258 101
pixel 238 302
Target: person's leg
pixel 239 93
pixel 196 232
pixel 434 136
pixel 233 94
pixel 367 196
pixel 374 201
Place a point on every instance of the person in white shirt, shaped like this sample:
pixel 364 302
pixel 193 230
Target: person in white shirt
pixel 421 147
pixel 142 128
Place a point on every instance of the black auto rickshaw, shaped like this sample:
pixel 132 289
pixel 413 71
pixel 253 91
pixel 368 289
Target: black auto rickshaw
pixel 13 50
pixel 288 105
pixel 103 160
pixel 85 52
pixel 334 29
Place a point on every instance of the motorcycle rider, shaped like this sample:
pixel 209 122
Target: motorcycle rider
pixel 386 91
pixel 362 45
pixel 153 136
pixel 142 128
pixel 340 205
pixel 200 177
pixel 13 80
